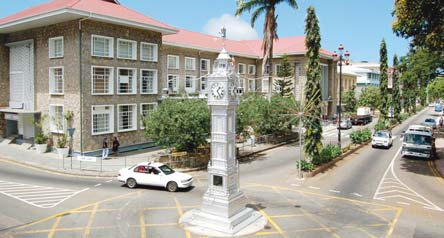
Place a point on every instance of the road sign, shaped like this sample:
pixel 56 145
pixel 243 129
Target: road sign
pixel 87 158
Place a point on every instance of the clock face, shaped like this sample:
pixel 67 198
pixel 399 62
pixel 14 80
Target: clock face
pixel 217 90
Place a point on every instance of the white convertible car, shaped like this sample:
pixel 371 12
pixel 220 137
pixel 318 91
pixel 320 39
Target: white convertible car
pixel 154 174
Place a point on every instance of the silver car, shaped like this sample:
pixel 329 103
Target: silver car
pixel 430 122
pixel 345 124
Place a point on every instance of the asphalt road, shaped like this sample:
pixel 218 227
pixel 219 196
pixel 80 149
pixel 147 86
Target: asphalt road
pixel 373 193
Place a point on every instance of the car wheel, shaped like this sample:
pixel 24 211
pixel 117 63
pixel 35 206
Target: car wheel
pixel 172 186
pixel 131 183
pixel 373 146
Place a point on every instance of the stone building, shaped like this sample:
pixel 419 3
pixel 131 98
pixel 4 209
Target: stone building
pixel 110 66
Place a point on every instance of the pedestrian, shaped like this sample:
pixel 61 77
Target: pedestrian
pixel 440 122
pixel 105 149
pixel 116 145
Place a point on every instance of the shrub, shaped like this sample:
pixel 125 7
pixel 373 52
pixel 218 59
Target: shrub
pixel 403 116
pixel 62 141
pixel 327 154
pixel 40 138
pixel 305 165
pixel 360 136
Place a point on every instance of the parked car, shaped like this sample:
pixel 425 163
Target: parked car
pixel 438 108
pixel 430 122
pixel 345 124
pixel 154 174
pixel 382 139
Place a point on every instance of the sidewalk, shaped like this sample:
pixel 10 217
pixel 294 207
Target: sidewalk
pixel 50 161
pixel 439 162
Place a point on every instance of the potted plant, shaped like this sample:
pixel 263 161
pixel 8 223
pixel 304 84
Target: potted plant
pixel 40 139
pixel 62 150
pixel 41 143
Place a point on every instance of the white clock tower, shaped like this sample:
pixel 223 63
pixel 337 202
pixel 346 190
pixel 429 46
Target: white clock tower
pixel 223 208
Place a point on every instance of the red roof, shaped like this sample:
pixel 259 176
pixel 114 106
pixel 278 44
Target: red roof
pixel 99 8
pixel 285 45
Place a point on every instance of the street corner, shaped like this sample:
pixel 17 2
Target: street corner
pixel 289 213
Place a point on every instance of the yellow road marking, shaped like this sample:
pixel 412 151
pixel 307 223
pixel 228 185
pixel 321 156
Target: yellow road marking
pixel 54 227
pixel 142 225
pixel 365 231
pixel 61 229
pixel 274 224
pixel 435 171
pixel 180 211
pixel 392 225
pixel 287 216
pixel 156 224
pixel 90 220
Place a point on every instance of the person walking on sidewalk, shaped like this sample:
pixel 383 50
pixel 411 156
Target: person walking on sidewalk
pixel 116 145
pixel 105 149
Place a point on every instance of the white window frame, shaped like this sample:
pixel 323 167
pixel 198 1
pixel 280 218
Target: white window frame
pixel 193 63
pixel 254 69
pixel 134 118
pixel 175 89
pixel 324 83
pixel 111 119
pixel 52 49
pixel 141 112
pixel 133 83
pixel 52 81
pixel 110 81
pixel 265 85
pixel 192 80
pixel 203 82
pixel 208 65
pixel 155 52
pixel 110 49
pixel 276 66
pixel 176 59
pixel 53 124
pixel 251 85
pixel 155 82
pixel 134 49
pixel 239 68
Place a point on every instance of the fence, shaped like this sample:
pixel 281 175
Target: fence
pixel 90 163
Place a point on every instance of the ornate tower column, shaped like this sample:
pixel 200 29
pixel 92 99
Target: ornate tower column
pixel 223 210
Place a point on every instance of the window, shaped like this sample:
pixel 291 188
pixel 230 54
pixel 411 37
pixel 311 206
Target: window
pixel 148 52
pixel 278 69
pixel 56 79
pixel 190 83
pixel 190 63
pixel 251 85
pixel 173 61
pixel 173 83
pixel 241 68
pixel 203 83
pixel 56 47
pixel 148 81
pixel 265 85
pixel 102 80
pixel 205 65
pixel 251 69
pixel 102 119
pixel 324 81
pixel 102 46
pixel 126 81
pixel 126 117
pixel 145 110
pixel 126 49
pixel 56 118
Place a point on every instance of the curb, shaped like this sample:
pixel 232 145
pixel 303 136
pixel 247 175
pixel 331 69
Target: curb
pixel 330 164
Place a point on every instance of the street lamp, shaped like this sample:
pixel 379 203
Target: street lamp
pixel 343 58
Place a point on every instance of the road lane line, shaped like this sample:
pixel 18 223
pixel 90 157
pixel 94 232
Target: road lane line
pixel 317 188
pixel 395 221
pixel 435 172
pixel 46 194
pixel 109 181
pixel 404 203
pixel 392 191
pixel 87 230
pixel 97 185
pixel 357 195
pixel 386 171
pixel 54 227
pixel 180 211
pixel 334 191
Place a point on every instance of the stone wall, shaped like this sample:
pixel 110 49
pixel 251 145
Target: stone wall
pixel 2 125
pixel 4 72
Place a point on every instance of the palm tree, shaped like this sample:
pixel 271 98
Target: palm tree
pixel 268 8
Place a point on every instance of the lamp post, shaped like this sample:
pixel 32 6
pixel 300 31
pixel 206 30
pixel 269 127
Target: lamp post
pixel 343 58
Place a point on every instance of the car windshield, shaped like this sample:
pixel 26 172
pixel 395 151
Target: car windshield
pixel 430 120
pixel 417 139
pixel 166 170
pixel 381 134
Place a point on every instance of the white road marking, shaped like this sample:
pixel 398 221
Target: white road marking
pixel 97 185
pixel 334 191
pixel 109 181
pixel 402 191
pixel 296 185
pixel 314 188
pixel 38 196
pixel 404 203
pixel 357 195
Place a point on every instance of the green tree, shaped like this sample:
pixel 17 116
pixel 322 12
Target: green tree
pixel 422 21
pixel 396 95
pixel 436 89
pixel 383 84
pixel 350 101
pixel 312 109
pixel 285 84
pixel 370 97
pixel 267 7
pixel 180 124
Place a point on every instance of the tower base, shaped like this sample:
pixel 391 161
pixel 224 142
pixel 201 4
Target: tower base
pixel 247 221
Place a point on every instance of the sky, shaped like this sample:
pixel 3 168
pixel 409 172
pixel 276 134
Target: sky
pixel 359 25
